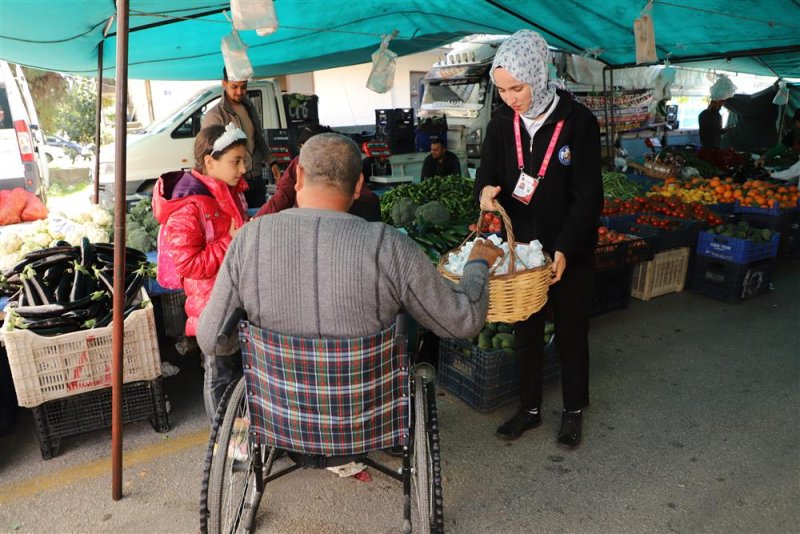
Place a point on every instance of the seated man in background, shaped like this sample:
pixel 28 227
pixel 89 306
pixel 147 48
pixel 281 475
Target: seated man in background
pixel 317 271
pixel 440 162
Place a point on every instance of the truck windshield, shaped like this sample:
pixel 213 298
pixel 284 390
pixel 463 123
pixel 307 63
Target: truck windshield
pixel 160 126
pixel 468 95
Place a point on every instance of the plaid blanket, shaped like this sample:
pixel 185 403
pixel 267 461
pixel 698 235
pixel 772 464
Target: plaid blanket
pixel 331 397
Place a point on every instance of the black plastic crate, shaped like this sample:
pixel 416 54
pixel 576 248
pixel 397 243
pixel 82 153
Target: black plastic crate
pixel 731 282
pixel 789 247
pixel 485 379
pixel 611 290
pixel 660 239
pixel 90 411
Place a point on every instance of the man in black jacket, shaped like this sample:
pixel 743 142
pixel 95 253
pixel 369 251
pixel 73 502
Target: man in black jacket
pixel 440 162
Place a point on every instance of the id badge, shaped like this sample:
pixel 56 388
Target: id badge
pixel 525 188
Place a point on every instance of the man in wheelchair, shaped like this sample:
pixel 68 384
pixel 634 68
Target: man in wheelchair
pixel 315 279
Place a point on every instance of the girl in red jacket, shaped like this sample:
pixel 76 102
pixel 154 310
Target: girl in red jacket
pixel 201 211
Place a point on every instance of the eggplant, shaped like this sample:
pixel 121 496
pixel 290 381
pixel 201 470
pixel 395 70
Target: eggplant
pixel 30 299
pixel 87 253
pixel 130 253
pixel 80 282
pixel 64 287
pixel 133 287
pixel 36 255
pixel 43 311
pixel 38 285
pixel 45 263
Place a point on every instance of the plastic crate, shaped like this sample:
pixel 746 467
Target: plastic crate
pixel 86 412
pixel 666 273
pixel 611 290
pixel 485 379
pixel 46 368
pixel 635 250
pixel 790 243
pixel 659 239
pixel 731 282
pixel 734 249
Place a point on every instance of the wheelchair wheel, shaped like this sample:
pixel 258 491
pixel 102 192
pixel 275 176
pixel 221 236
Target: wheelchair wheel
pixel 232 486
pixel 426 477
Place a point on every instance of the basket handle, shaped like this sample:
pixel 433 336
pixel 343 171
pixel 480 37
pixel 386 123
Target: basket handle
pixel 512 268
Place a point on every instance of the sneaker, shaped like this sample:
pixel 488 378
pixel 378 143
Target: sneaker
pixel 238 447
pixel 569 436
pixel 517 425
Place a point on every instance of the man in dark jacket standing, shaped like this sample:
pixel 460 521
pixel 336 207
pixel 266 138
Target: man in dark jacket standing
pixel 440 162
pixel 235 107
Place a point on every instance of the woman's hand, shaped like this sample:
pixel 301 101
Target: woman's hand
pixel 233 229
pixel 558 266
pixel 488 193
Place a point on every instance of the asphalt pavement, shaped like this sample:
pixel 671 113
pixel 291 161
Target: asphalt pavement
pixel 693 427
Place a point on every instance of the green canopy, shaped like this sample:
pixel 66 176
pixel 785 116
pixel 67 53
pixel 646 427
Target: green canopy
pixel 180 39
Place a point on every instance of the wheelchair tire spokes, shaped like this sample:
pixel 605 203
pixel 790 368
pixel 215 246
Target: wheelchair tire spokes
pixel 233 490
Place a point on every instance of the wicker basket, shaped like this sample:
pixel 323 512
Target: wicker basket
pixel 515 296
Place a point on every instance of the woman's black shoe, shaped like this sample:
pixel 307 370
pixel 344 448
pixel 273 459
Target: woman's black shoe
pixel 523 420
pixel 569 437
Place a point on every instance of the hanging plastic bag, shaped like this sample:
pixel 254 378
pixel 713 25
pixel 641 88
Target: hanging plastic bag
pixel 381 79
pixel 256 15
pixel 664 81
pixel 645 37
pixel 782 96
pixel 234 53
pixel 723 88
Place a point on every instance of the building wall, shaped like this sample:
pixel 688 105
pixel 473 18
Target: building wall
pixel 344 99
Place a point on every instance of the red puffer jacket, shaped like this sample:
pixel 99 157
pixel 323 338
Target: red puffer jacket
pixel 196 211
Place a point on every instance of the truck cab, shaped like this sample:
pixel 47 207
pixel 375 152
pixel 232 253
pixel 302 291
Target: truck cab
pixel 459 87
pixel 168 145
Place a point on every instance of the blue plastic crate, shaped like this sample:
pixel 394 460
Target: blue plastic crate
pixel 772 212
pixel 734 249
pixel 484 379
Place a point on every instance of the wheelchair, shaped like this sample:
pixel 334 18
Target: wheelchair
pixel 321 403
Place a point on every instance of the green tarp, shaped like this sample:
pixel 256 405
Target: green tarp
pixel 180 39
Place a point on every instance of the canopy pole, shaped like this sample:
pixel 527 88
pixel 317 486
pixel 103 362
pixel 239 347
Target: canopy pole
pixel 605 111
pixel 118 331
pixel 98 118
pixel 610 127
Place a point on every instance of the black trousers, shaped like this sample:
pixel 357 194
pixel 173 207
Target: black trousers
pixel 570 300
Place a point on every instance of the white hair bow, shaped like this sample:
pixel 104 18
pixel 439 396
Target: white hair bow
pixel 231 135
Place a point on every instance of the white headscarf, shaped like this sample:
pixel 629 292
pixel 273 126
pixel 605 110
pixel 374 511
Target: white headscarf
pixel 524 55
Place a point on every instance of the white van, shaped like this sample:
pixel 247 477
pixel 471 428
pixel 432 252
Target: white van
pixel 168 145
pixel 22 161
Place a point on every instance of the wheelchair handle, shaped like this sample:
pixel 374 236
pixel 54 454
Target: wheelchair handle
pixel 229 326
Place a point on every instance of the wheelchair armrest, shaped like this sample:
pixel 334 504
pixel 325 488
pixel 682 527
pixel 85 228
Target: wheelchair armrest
pixel 229 326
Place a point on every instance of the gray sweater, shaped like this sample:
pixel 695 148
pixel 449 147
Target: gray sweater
pixel 320 273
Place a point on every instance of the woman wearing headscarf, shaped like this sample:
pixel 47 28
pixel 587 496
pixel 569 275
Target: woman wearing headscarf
pixel 541 161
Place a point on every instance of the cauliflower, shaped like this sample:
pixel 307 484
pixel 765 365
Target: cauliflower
pixel 100 216
pixel 433 213
pixel 41 239
pixel 95 233
pixel 10 243
pixel 403 212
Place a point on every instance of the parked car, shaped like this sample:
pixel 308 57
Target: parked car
pixel 54 151
pixel 22 157
pixel 67 145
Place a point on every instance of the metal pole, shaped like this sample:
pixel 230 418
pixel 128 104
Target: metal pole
pixel 118 332
pixel 98 117
pixel 605 112
pixel 611 125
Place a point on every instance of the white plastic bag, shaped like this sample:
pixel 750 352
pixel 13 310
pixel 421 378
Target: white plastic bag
pixel 381 78
pixel 664 81
pixel 723 88
pixel 256 15
pixel 234 53
pixel 782 96
pixel 645 38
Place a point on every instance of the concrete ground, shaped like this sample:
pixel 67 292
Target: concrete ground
pixel 694 427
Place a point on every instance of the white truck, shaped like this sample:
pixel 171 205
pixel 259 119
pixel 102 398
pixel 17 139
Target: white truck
pixel 22 157
pixel 168 145
pixel 459 87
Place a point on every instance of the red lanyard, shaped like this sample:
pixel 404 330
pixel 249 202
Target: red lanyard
pixel 550 147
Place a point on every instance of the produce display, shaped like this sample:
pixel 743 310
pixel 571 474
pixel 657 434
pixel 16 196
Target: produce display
pixel 18 205
pixel 141 227
pixel 455 193
pixel 618 185
pixel 715 190
pixel 665 205
pixel 491 223
pixel 16 241
pixel 743 230
pixel 529 256
pixel 65 288
pixel 500 336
